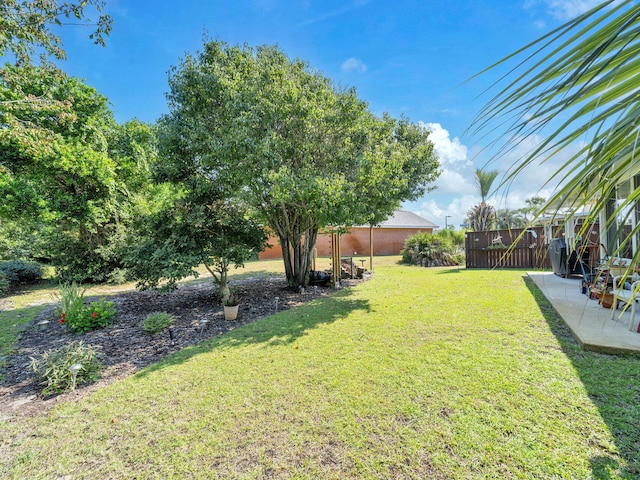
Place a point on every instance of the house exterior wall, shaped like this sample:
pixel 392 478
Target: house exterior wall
pixel 273 251
pixel 386 241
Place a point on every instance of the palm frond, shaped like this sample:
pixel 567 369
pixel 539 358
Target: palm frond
pixel 577 89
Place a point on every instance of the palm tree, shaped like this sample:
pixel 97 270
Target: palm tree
pixel 482 217
pixel 484 180
pixel 577 87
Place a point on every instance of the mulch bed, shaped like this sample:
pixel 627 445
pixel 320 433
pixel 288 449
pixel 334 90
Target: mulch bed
pixel 125 348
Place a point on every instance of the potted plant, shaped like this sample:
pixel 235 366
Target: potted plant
pixel 606 298
pixel 231 305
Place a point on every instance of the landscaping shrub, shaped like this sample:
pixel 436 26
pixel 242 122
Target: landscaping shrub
pixel 82 261
pixel 4 284
pixel 432 250
pixel 98 314
pixel 78 316
pixel 117 277
pixel 157 321
pixel 21 271
pixel 52 367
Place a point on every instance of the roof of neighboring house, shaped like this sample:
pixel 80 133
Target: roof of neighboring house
pixel 404 219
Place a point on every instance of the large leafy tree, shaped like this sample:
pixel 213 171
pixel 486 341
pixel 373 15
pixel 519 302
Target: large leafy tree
pixel 534 207
pixel 60 155
pixel 26 25
pixel 577 92
pixel 302 153
pixel 73 169
pixel 508 218
pixel 58 176
pixel 192 224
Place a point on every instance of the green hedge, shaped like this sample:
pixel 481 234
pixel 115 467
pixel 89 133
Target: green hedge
pixel 21 271
pixel 4 284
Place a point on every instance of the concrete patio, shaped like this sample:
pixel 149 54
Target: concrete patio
pixel 587 319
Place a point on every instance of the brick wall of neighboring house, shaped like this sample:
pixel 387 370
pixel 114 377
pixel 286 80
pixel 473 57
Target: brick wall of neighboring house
pixel 386 241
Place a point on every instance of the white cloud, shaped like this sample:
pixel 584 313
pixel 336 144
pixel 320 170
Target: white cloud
pixel 451 181
pixel 456 191
pixel 353 65
pixel 456 167
pixel 540 173
pixel 565 9
pixel 450 151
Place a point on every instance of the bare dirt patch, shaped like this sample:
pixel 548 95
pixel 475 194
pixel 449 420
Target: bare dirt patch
pixel 125 348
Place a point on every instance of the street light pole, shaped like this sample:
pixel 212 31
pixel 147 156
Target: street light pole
pixel 445 221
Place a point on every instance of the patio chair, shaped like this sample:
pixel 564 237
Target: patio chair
pixel 627 292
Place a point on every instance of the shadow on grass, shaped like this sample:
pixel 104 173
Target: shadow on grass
pixel 279 329
pixel 41 286
pixel 612 382
pixel 450 270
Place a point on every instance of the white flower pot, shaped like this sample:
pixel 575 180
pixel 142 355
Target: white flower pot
pixel 231 312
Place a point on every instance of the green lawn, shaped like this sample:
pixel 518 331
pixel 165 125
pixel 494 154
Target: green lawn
pixel 418 373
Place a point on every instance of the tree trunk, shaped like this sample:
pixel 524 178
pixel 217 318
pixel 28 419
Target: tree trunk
pixel 298 234
pixel 220 278
pixel 297 253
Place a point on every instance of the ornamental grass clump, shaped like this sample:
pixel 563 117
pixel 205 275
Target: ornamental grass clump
pixel 53 370
pixel 157 321
pixel 71 301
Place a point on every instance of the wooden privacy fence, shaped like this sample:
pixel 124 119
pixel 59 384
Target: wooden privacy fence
pixel 504 249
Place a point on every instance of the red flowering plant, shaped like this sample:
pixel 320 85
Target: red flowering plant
pixel 98 314
pixel 79 317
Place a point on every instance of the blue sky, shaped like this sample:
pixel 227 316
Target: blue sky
pixel 403 57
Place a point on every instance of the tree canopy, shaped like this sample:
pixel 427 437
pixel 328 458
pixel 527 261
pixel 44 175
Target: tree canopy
pixel 192 224
pixel 303 154
pixel 26 25
pixel 70 167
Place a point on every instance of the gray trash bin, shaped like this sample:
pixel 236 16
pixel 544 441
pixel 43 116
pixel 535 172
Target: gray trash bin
pixel 558 255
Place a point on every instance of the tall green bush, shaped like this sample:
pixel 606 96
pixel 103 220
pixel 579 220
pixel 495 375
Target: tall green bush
pixel 442 248
pixel 21 271
pixel 4 284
